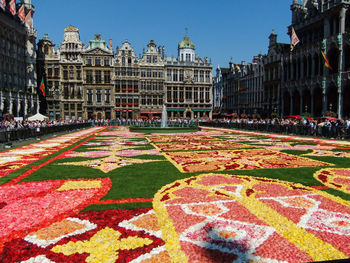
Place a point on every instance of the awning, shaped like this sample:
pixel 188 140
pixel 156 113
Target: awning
pixel 207 110
pixel 175 109
pixel 129 110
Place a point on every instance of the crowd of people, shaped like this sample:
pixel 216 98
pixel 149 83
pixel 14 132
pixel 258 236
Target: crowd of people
pixel 328 127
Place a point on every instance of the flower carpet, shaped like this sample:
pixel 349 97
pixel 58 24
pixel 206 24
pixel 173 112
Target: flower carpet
pixel 17 158
pixel 203 196
pixel 200 145
pixel 336 178
pixel 200 161
pixel 223 218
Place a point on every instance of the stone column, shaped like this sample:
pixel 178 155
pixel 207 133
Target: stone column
pixel 312 110
pixel 324 98
pixel 291 103
pixel 313 66
pixel 340 102
pixel 301 106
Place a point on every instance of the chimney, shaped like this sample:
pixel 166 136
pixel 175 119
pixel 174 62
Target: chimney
pixel 111 44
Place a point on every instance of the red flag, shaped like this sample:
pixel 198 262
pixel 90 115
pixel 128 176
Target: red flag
pixel 294 40
pixel 3 4
pixel 21 13
pixel 326 62
pixel 42 87
pixel 12 7
pixel 29 19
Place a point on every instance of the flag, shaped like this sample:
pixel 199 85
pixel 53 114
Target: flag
pixel 21 13
pixel 42 87
pixel 12 7
pixel 29 19
pixel 294 40
pixel 326 62
pixel 3 4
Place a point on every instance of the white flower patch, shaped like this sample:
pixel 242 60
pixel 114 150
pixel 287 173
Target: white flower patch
pixel 44 243
pixel 38 259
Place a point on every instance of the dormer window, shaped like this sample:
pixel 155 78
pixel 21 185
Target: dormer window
pixel 188 57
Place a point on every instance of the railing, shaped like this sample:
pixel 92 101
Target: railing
pixel 26 133
pixel 333 131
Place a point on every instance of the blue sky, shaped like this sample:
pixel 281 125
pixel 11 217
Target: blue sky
pixel 220 29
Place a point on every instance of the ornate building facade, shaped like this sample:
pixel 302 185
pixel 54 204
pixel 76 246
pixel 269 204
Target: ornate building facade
pixel 188 83
pixel 127 87
pixel 98 91
pixel 18 80
pixel 273 76
pixel 243 91
pixel 48 65
pixel 151 69
pixel 307 84
pixel 91 83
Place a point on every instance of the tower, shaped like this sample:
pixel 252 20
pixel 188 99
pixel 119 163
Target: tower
pixel 186 49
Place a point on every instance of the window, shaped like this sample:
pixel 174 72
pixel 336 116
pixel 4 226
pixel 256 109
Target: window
pixel 97 62
pixel 148 59
pixel 89 76
pixel 79 92
pixel 57 71
pixel 71 73
pixel 98 76
pixel 65 74
pixel 201 76
pixel 65 91
pixel 168 94
pixel 207 76
pixel 117 86
pixel 188 93
pixel 89 95
pixel 72 91
pixel 79 106
pixel 66 106
pixel 175 94
pixel 78 74
pixel 107 76
pixel 149 73
pixel 207 94
pixel 181 93
pixel 181 77
pixel 143 85
pixel 107 95
pixel 160 74
pixel 195 94
pixel 154 86
pixel 155 100
pixel 160 100
pixel 175 75
pixel 143 73
pixel 196 76
pixel 123 61
pixel 155 59
pixel 154 73
pixel 49 71
pixel 188 57
pixel 72 106
pixel 148 85
pixel 201 94
pixel 106 62
pixel 169 74
pixel 129 61
pixel 88 61
pixel 143 101
pixel 98 95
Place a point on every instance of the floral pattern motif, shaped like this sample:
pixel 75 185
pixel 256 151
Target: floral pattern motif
pixel 17 158
pixel 336 178
pixel 228 217
pixel 236 160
